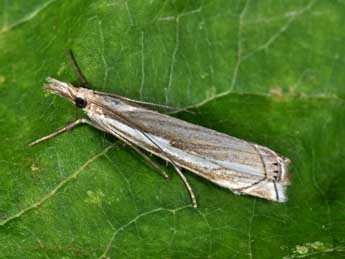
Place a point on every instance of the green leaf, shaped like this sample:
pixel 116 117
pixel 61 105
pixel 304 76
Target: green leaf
pixel 270 72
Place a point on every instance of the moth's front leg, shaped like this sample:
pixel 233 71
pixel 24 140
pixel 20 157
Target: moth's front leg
pixel 68 127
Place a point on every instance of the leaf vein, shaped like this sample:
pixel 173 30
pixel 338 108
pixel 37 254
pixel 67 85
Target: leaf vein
pixel 134 221
pixel 56 188
pixel 27 17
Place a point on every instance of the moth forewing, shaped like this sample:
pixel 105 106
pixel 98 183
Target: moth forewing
pixel 232 163
pixel 238 165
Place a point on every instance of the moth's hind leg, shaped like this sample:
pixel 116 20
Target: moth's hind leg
pixel 164 155
pixel 146 158
pixel 186 183
pixel 177 169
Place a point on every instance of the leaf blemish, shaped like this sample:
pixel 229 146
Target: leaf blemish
pixel 94 197
pixel 34 167
pixel 2 79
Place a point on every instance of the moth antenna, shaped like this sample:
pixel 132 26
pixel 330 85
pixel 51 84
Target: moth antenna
pixel 76 68
pixel 131 101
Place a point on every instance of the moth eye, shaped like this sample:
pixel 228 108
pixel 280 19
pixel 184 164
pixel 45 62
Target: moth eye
pixel 80 102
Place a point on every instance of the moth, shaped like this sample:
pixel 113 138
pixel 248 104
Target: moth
pixel 240 166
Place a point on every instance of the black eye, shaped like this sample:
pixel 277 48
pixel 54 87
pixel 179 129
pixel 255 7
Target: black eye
pixel 80 103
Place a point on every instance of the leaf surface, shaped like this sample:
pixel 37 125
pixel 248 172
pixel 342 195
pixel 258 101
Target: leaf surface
pixel 269 72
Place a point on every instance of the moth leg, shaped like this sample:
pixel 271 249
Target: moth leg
pixel 189 188
pixel 146 158
pixel 77 69
pixel 167 157
pixel 68 127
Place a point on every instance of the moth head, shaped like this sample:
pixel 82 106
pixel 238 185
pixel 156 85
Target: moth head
pixel 76 95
